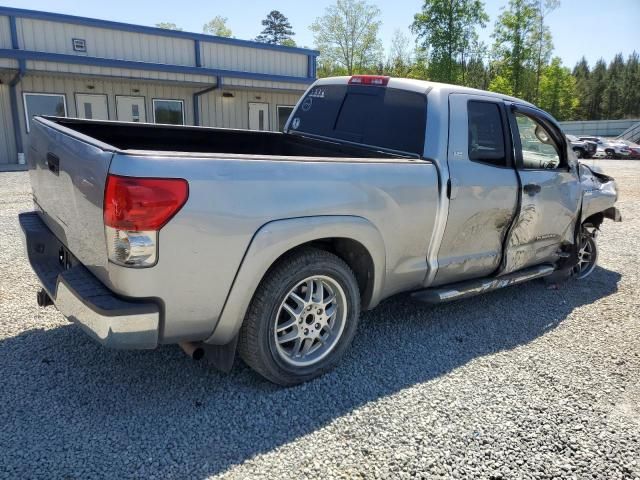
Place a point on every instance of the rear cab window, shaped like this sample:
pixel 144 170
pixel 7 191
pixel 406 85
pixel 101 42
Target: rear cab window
pixel 486 133
pixel 377 116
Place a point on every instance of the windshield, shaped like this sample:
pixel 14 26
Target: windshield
pixel 377 116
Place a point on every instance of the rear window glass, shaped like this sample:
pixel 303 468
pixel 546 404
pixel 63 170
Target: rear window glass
pixel 377 116
pixel 486 136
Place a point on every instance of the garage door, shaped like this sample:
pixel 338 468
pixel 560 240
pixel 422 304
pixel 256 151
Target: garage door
pixel 7 142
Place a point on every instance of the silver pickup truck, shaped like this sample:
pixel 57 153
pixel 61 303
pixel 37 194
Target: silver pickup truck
pixel 270 244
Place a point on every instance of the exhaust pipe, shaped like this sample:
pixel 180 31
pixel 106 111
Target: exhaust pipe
pixel 43 298
pixel 194 350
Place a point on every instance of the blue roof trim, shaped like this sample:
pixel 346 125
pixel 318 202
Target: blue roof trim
pixel 128 27
pixel 157 67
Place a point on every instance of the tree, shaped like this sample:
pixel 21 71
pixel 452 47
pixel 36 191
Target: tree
pixel 168 26
pixel 347 35
pixel 514 47
pixel 612 96
pixel 558 91
pixel 447 28
pixel 631 87
pixel 597 85
pixel 217 26
pixel 582 74
pixel 277 29
pixel 542 38
pixel 400 61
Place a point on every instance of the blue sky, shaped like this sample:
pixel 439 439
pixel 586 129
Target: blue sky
pixel 593 28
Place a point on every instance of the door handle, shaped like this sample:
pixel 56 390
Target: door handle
pixel 532 189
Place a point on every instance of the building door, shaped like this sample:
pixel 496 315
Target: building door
pixel 130 109
pixel 8 152
pixel 258 116
pixel 92 106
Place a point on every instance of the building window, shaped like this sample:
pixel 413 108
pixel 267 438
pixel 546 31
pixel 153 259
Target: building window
pixel 43 104
pixel 169 112
pixel 283 116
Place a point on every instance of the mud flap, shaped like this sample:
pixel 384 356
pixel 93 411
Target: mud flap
pixel 221 357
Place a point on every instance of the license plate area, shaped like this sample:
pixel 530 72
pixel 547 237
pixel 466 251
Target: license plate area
pixel 66 260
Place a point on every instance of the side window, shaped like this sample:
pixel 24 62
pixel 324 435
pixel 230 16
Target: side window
pixel 539 150
pixel 486 133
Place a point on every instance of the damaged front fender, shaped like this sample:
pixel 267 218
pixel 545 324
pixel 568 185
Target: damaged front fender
pixel 599 195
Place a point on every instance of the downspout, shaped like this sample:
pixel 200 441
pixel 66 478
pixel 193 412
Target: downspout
pixel 13 94
pixel 196 99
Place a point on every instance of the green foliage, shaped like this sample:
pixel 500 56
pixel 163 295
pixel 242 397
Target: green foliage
pixel 168 26
pixel 447 30
pixel 347 36
pixel 514 47
pixel 217 26
pixel 277 30
pixel 558 91
pixel 631 87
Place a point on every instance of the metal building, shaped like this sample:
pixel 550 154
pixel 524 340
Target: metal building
pixel 55 64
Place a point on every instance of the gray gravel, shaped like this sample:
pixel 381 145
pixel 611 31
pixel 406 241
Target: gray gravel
pixel 528 382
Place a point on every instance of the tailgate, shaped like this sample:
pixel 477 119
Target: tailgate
pixel 68 172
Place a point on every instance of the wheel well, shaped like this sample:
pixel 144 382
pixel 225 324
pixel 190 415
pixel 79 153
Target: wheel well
pixel 354 254
pixel 594 220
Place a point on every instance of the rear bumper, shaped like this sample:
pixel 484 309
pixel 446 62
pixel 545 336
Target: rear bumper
pixel 113 321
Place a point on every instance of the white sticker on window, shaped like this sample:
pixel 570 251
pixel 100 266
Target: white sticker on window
pixel 295 123
pixel 307 104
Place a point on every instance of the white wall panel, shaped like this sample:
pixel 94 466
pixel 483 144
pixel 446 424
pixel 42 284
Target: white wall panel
pixel 8 152
pixel 126 73
pixel 69 86
pixel 5 32
pixel 47 36
pixel 218 111
pixel 244 59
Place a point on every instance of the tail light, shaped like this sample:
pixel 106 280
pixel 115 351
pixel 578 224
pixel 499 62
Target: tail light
pixel 375 80
pixel 135 209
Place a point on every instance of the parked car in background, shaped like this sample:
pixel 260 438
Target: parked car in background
pixel 612 148
pixel 634 149
pixel 600 153
pixel 582 148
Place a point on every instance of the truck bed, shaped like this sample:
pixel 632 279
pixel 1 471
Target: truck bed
pixel 240 183
pixel 174 138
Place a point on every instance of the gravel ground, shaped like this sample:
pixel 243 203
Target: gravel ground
pixel 527 382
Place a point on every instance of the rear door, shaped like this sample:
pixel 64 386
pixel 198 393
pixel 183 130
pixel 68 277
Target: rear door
pixel 483 189
pixel 550 197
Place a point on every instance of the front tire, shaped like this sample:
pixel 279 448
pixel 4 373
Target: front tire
pixel 587 254
pixel 302 318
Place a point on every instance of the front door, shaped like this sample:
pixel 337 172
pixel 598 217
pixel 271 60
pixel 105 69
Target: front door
pixel 550 195
pixel 130 109
pixel 483 189
pixel 92 106
pixel 258 116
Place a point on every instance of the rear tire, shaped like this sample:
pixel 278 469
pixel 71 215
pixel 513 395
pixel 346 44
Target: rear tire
pixel 302 318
